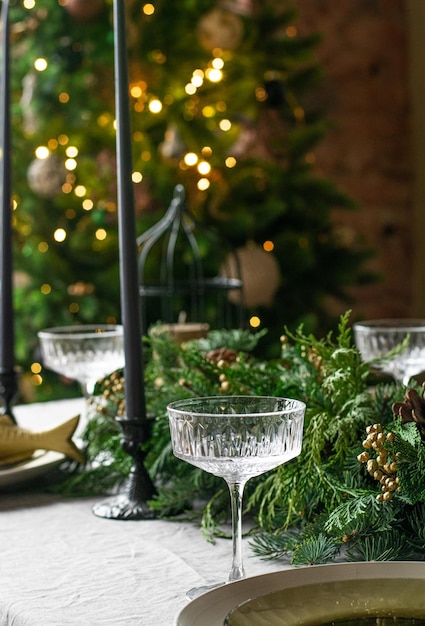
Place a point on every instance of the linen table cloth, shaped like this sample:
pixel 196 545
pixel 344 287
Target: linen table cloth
pixel 60 564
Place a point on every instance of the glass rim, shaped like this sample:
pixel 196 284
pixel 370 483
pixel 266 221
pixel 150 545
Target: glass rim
pixel 81 331
pixel 402 324
pixel 177 405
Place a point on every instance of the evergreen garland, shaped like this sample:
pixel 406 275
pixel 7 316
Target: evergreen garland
pixel 332 501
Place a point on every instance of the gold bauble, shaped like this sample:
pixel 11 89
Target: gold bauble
pixel 220 29
pixel 259 272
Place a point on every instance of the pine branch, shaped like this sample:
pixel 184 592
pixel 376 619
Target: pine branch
pixel 315 551
pixel 275 546
pixel 380 546
pixel 415 527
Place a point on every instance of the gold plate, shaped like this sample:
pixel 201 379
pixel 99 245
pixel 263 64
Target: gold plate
pixel 40 463
pixel 315 595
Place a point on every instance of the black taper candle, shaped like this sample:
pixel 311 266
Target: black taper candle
pixel 132 504
pixel 130 298
pixel 8 385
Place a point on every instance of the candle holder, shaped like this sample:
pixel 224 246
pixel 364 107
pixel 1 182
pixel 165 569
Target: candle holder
pixel 132 502
pixel 8 391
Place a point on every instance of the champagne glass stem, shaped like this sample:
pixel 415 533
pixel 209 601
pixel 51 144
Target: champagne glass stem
pixel 236 493
pixel 406 379
pixel 85 390
pixel 88 388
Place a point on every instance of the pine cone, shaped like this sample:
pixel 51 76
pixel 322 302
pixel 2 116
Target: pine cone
pixel 412 409
pixel 224 355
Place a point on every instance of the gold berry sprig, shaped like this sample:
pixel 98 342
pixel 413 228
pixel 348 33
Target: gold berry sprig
pixel 380 463
pixel 112 393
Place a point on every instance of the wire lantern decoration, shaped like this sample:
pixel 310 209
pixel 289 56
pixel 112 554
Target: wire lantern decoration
pixel 174 281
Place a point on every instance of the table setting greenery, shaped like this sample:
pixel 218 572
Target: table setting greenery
pixel 357 490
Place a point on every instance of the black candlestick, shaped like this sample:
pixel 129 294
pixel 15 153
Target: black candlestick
pixel 8 378
pixel 132 503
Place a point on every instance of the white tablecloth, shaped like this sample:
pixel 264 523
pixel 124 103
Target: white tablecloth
pixel 60 564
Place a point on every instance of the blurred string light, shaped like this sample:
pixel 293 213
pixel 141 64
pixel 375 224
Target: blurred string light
pixel 190 158
pixel 36 378
pixel 254 321
pixel 59 235
pixel 101 234
pixel 70 164
pixel 71 151
pixel 204 168
pixel 137 177
pixel 80 191
pixel 42 152
pixel 136 91
pixel 155 106
pixel 268 246
pixel 148 9
pixel 40 64
pixel 203 184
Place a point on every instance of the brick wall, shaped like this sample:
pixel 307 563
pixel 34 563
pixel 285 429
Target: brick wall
pixel 365 95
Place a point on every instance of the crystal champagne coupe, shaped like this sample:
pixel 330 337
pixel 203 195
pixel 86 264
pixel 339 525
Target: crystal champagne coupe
pixel 376 338
pixel 236 438
pixel 85 353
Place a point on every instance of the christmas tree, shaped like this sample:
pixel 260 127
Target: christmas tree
pixel 220 95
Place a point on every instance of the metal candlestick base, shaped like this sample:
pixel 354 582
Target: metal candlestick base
pixel 8 390
pixel 132 503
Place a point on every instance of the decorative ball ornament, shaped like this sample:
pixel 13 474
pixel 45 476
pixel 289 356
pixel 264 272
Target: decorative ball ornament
pixel 243 7
pixel 46 176
pixel 259 272
pixel 172 147
pixel 220 28
pixel 84 10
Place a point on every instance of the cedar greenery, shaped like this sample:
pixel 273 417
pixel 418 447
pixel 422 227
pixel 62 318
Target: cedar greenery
pixel 315 508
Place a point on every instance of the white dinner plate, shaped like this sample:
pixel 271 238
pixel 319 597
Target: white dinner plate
pixel 40 463
pixel 282 598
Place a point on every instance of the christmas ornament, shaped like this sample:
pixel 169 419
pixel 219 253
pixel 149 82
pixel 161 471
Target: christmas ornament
pixel 30 120
pixel 220 29
pixel 222 356
pixel 172 147
pixel 260 274
pixel 243 7
pixel 46 176
pixel 84 11
pixel 250 142
pixel 412 409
